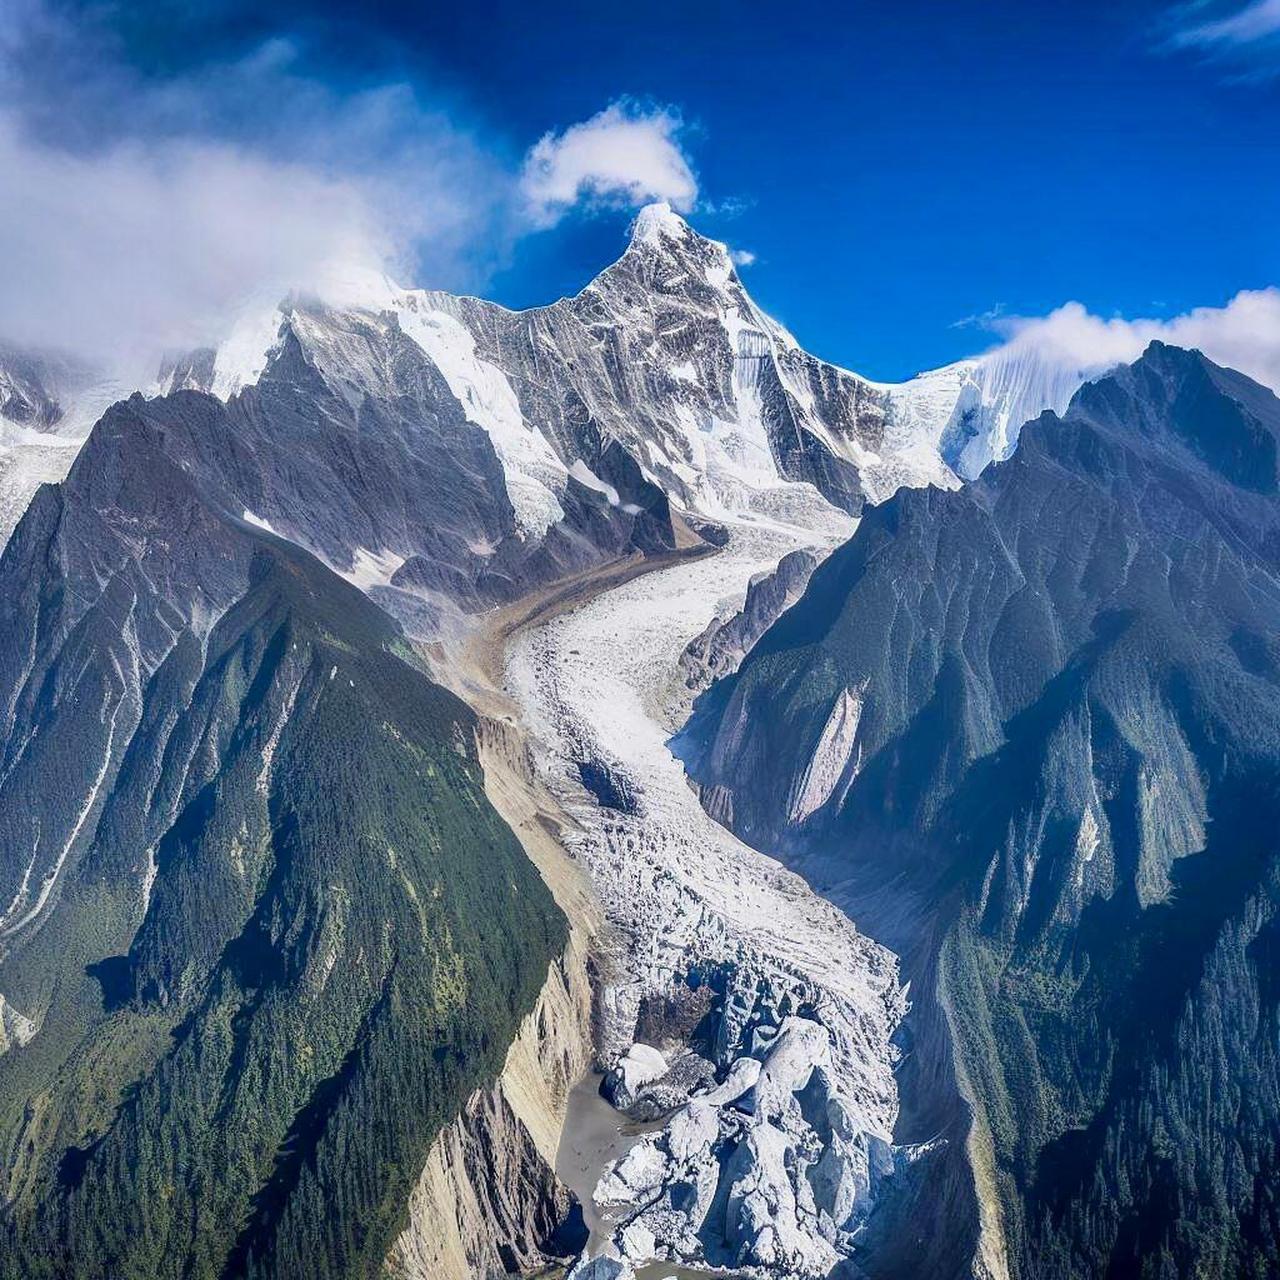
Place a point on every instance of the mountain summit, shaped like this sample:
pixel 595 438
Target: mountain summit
pixel 1030 738
pixel 638 414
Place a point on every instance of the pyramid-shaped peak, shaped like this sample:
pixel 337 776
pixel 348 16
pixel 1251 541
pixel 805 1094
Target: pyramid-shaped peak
pixel 656 221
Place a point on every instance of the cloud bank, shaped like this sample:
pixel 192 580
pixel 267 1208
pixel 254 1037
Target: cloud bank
pixel 623 156
pixel 1244 334
pixel 140 214
pixel 118 253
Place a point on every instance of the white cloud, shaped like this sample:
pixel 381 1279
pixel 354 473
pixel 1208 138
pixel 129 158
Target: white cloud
pixel 140 215
pixel 1259 20
pixel 988 319
pixel 742 257
pixel 120 254
pixel 140 212
pixel 623 156
pixel 1244 334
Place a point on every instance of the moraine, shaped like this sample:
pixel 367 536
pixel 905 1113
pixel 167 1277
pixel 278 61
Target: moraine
pixel 804 992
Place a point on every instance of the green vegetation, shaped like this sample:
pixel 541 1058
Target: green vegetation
pixel 1064 818
pixel 339 944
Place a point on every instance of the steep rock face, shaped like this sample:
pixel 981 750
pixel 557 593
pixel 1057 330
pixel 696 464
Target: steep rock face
pixel 661 385
pixel 630 417
pixel 352 443
pixel 1031 727
pixel 488 1200
pixel 263 935
pixel 448 453
pixel 665 353
pixel 29 389
pixel 726 640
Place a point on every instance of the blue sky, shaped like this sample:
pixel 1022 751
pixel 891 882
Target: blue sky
pixel 895 169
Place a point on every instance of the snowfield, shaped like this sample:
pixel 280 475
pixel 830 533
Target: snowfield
pixel 771 1193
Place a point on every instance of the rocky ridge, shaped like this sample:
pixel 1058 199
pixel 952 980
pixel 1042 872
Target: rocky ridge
pixel 1024 733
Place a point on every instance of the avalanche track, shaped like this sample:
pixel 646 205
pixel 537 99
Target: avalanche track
pixel 600 687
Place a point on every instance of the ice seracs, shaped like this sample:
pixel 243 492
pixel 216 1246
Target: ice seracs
pixel 770 1160
pixel 604 1267
pixel 47 405
pixel 767 1171
pixel 640 1065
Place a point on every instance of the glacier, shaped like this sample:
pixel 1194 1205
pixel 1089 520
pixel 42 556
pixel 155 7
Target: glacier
pixel 773 1169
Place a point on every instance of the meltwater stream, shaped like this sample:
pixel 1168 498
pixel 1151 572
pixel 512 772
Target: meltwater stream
pixel 600 687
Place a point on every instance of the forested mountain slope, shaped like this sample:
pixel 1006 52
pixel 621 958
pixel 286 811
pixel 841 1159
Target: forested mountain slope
pixel 263 933
pixel 1026 732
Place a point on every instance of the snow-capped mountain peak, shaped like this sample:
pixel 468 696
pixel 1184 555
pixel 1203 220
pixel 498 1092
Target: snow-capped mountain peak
pixel 662 379
pixel 659 221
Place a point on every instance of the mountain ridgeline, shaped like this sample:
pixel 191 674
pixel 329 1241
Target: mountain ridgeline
pixel 467 451
pixel 263 932
pixel 470 454
pixel 1031 734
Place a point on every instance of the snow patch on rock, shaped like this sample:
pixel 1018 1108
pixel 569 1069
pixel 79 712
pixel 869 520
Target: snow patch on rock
pixel 534 473
pixel 371 568
pixel 16 1029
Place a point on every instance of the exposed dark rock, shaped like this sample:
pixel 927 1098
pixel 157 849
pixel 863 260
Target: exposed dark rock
pixel 1026 733
pixel 687 1074
pixel 611 790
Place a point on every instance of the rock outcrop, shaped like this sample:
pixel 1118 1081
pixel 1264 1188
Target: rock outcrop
pixel 488 1200
pixel 727 638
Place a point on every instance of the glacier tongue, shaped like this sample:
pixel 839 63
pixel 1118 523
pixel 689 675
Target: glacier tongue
pixel 774 1168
